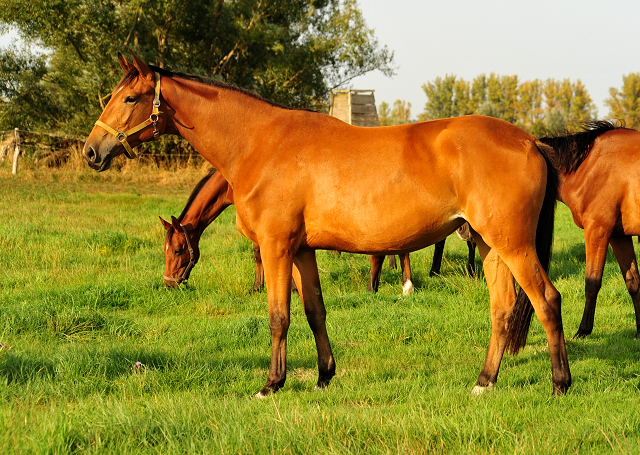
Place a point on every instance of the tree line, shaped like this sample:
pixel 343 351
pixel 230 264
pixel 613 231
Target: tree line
pixel 291 52
pixel 540 107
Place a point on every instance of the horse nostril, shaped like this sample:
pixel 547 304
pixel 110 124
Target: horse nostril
pixel 91 155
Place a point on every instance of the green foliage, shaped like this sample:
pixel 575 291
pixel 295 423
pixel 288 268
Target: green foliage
pixel 398 115
pixel 292 52
pixel 625 103
pixel 83 302
pixel 536 106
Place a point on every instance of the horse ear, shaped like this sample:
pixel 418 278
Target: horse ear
pixel 124 64
pixel 142 67
pixel 175 223
pixel 166 224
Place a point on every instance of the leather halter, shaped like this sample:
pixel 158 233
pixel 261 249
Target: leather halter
pixel 192 262
pixel 152 120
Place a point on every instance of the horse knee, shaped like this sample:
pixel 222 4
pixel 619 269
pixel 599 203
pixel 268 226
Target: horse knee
pixel 592 287
pixel 632 284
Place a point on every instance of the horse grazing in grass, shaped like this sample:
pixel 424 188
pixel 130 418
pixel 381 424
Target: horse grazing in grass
pixel 210 197
pixel 304 181
pixel 598 184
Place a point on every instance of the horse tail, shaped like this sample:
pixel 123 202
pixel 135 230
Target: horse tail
pixel 520 320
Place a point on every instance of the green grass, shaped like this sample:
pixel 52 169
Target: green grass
pixel 82 301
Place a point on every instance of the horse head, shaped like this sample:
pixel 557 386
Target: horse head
pixel 181 252
pixel 127 119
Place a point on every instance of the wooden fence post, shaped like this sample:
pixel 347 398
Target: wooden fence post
pixel 16 153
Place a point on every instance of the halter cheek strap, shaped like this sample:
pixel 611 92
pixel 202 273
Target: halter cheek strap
pixel 121 136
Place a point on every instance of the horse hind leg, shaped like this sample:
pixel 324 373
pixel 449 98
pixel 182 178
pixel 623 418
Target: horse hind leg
pixel 596 244
pixel 623 249
pixel 537 290
pixel 376 271
pixel 405 264
pixel 437 258
pixel 305 272
pixel 502 296
pixel 258 282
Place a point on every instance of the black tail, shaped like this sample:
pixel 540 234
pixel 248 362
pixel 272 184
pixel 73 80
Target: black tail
pixel 518 327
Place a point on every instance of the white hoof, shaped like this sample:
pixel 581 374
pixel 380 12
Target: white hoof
pixel 479 390
pixel 261 395
pixel 407 288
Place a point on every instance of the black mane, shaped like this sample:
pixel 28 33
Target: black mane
pixel 195 192
pixel 133 73
pixel 572 149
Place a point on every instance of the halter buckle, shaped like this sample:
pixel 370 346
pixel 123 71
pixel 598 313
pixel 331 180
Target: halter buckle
pixel 121 137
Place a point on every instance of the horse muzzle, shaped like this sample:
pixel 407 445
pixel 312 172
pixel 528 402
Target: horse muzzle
pixel 95 159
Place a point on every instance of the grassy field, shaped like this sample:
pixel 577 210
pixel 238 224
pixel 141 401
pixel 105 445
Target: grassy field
pixel 82 301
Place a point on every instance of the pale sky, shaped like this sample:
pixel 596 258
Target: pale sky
pixel 595 41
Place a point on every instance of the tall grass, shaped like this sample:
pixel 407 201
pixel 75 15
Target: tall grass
pixel 100 357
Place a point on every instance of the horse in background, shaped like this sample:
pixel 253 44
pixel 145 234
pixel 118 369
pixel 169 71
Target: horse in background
pixel 304 181
pixel 597 181
pixel 210 197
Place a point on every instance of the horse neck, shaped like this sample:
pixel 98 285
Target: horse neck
pixel 220 123
pixel 215 196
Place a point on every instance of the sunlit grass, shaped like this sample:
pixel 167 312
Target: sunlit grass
pixel 99 357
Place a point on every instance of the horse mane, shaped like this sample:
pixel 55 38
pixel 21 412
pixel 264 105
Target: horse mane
pixel 133 73
pixel 196 191
pixel 571 149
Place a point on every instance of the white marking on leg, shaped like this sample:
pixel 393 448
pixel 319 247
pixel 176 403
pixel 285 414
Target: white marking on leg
pixel 479 390
pixel 407 288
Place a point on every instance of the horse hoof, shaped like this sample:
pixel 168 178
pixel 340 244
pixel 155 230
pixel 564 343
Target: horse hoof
pixel 580 335
pixel 479 389
pixel 407 288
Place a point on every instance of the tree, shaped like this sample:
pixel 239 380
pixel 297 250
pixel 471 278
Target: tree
pixel 533 105
pixel 289 51
pixel 398 115
pixel 624 104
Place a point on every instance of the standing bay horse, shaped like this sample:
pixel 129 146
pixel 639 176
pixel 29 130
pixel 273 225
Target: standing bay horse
pixel 598 183
pixel 304 181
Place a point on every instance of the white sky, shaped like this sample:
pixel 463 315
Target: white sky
pixel 595 41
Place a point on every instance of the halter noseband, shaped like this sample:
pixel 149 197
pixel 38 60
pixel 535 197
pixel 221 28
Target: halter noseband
pixel 121 136
pixel 192 262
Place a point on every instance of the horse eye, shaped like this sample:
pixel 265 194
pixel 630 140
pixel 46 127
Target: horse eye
pixel 130 99
pixel 177 252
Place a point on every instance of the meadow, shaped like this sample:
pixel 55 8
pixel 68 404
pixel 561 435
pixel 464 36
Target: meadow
pixel 98 356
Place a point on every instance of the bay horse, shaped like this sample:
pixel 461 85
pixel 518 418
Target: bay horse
pixel 210 197
pixel 304 181
pixel 597 182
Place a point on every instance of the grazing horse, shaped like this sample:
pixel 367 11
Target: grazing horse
pixel 598 184
pixel 210 197
pixel 304 181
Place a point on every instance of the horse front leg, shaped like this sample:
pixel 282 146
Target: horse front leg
pixel 596 244
pixel 623 249
pixel 437 258
pixel 277 260
pixel 376 271
pixel 502 296
pixel 405 264
pixel 305 273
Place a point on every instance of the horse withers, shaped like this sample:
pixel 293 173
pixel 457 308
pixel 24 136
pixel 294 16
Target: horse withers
pixel 304 181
